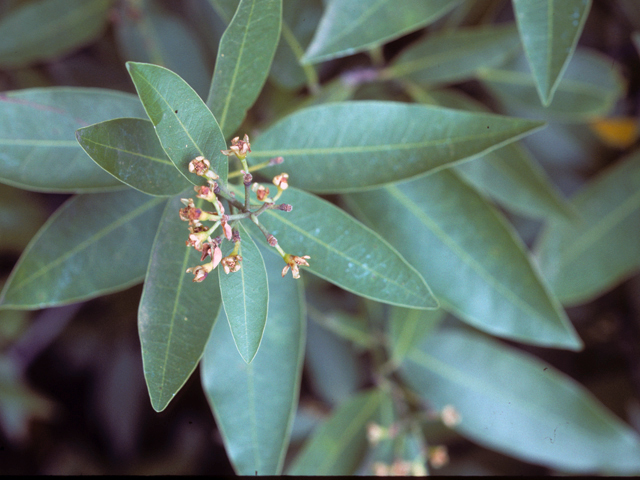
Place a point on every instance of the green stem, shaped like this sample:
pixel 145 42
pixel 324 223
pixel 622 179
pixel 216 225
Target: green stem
pixel 309 71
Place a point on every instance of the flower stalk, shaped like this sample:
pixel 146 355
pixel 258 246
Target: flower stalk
pixel 200 235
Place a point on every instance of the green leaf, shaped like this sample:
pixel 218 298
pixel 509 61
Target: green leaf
pixel 596 251
pixel 510 174
pixel 345 252
pixel 352 26
pixel 176 315
pixel 408 327
pixel 590 87
pixel 145 33
pixel 549 30
pixel 477 266
pixel 332 366
pixel 455 55
pixel 338 445
pixel 128 149
pixel 354 328
pixel 48 29
pixel 39 151
pixel 245 296
pixel 343 147
pixel 184 125
pixel 21 215
pixel 299 21
pixel 244 58
pixel 254 403
pixel 516 404
pixel 92 245
pixel 225 9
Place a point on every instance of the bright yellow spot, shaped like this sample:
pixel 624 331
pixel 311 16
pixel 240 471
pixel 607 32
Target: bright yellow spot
pixel 620 132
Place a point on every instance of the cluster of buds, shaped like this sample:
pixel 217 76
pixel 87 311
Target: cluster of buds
pixel 200 234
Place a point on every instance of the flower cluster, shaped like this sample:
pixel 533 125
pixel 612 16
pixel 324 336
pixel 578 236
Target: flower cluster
pixel 201 235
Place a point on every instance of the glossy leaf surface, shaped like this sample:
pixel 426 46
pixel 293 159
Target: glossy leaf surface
pixel 350 146
pixel 244 58
pixel 38 148
pixel 128 149
pixel 80 251
pixel 245 296
pixel 597 250
pixel 509 174
pixel 351 26
pixel 176 315
pixel 590 87
pixel 455 55
pixel 147 33
pixel 254 403
pixel 474 262
pixel 345 252
pixel 550 30
pixel 338 445
pixel 518 405
pixel 57 27
pixel 184 125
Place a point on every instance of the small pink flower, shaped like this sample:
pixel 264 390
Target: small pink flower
pixel 238 147
pixel 231 263
pixel 292 261
pixel 281 181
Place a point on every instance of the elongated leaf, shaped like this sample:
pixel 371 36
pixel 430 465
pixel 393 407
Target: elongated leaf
pixel 145 33
pixel 93 245
pixel 516 404
pixel 352 26
pixel 245 296
pixel 354 328
pixel 585 257
pixel 455 55
pixel 21 215
pixel 225 9
pixel 244 58
pixel 184 125
pixel 475 263
pixel 128 149
pixel 299 21
pixel 590 87
pixel 345 252
pixel 254 403
pixel 550 30
pixel 332 364
pixel 38 148
pixel 509 174
pixel 176 315
pixel 47 29
pixel 338 445
pixel 407 328
pixel 351 146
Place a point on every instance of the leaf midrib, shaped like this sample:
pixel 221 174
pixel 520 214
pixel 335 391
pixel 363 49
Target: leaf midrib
pixel 135 154
pixel 227 102
pixel 462 254
pixel 339 253
pixel 97 236
pixel 388 146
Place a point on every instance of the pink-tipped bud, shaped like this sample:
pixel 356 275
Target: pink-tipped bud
pixel 275 161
